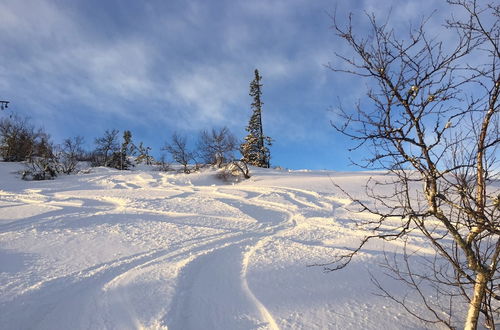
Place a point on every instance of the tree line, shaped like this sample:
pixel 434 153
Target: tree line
pixel 20 141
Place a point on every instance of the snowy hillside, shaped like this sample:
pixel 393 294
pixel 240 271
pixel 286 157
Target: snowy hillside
pixel 143 249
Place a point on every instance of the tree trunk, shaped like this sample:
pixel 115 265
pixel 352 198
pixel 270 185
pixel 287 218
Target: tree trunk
pixel 475 304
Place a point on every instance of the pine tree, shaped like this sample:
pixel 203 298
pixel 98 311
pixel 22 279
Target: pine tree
pixel 255 149
pixel 126 150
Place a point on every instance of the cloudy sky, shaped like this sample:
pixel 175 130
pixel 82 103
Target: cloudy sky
pixel 157 66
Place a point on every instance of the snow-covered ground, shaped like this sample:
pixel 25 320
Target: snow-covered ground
pixel 143 249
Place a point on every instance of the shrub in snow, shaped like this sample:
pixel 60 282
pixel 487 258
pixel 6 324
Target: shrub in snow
pixel 40 168
pixel 234 171
pixel 68 155
pixel 143 155
pixel 163 165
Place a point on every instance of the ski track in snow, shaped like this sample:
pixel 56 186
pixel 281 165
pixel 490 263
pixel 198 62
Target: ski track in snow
pixel 228 226
pixel 203 259
pixel 206 273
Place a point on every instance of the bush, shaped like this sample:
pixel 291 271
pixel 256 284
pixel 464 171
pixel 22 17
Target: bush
pixel 164 165
pixel 234 171
pixel 69 154
pixel 40 168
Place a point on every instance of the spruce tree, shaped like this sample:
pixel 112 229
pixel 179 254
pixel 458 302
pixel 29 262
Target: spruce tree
pixel 255 149
pixel 126 149
pixel 119 159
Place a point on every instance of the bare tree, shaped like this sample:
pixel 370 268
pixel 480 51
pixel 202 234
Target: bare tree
pixel 217 146
pixel 179 151
pixel 106 146
pixel 17 139
pixel 69 154
pixel 432 121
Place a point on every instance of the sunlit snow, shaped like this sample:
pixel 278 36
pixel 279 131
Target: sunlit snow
pixel 144 249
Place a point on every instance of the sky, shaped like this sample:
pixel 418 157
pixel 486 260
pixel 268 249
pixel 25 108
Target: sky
pixel 155 67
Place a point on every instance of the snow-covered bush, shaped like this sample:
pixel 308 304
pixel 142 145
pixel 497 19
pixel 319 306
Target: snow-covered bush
pixel 234 171
pixel 40 168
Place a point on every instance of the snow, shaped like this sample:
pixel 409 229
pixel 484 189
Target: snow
pixel 143 249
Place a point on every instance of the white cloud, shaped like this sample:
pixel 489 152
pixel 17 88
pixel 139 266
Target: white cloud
pixel 210 92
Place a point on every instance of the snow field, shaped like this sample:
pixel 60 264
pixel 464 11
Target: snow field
pixel 149 250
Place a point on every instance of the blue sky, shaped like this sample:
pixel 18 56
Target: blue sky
pixel 154 67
